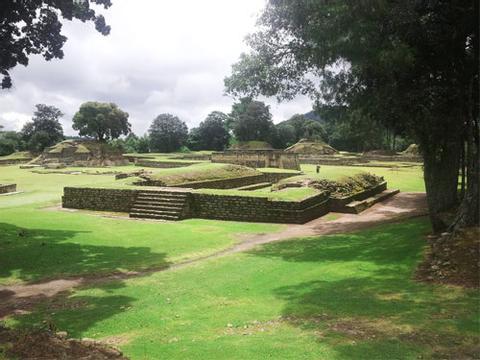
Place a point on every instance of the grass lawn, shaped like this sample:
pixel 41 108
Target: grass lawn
pixel 38 242
pixel 332 297
pixel 288 194
pixel 403 178
pixel 202 172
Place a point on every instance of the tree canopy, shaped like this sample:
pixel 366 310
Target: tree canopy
pixel 167 133
pixel 44 130
pixel 104 121
pixel 211 134
pixel 409 64
pixel 34 27
pixel 251 120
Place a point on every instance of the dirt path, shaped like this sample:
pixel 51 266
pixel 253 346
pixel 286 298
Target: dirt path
pixel 18 299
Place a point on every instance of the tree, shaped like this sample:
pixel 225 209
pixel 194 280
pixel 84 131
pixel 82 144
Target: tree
pixel 283 136
pixel 252 120
pixel 413 63
pixel 211 134
pixel 34 27
pixel 132 143
pixel 10 141
pixel 167 133
pixel 44 130
pixel 104 121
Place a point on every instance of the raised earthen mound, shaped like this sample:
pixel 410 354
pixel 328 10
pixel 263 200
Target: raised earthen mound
pixel 412 149
pixel 251 145
pixel 344 187
pixel 44 344
pixel 81 153
pixel 305 146
pixel 199 172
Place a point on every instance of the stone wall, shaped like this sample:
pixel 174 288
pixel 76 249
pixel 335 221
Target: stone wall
pixel 14 161
pixel 118 200
pixel 162 164
pixel 338 204
pixel 258 158
pixel 225 183
pixel 258 209
pixel 8 188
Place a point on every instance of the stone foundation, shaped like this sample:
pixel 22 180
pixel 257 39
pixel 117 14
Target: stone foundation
pixel 8 188
pixel 117 200
pixel 225 183
pixel 258 158
pixel 338 204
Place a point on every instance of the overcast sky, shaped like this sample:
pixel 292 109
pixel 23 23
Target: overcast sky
pixel 161 56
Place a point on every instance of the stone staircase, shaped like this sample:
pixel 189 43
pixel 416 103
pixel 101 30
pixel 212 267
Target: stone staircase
pixel 356 207
pixel 160 205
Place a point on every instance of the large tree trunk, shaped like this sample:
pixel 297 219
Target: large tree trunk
pixel 441 165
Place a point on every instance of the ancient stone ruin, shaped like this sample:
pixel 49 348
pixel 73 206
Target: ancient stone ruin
pixel 80 153
pixel 258 158
pixel 8 188
pixel 308 147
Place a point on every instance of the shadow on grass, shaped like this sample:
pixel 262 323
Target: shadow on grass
pixel 367 306
pixel 34 254
pixel 60 313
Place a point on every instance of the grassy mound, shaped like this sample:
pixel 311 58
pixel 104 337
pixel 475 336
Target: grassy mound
pixel 251 145
pixel 311 147
pixel 344 186
pixel 19 155
pixel 412 149
pixel 200 172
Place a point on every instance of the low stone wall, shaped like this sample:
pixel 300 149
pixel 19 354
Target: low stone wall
pixel 162 164
pixel 14 161
pixel 118 200
pixel 258 209
pixel 225 183
pixel 338 204
pixel 8 188
pixel 258 158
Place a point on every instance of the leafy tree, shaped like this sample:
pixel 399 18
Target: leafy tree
pixel 409 63
pixel 104 121
pixel 283 136
pixel 132 143
pixel 44 130
pixel 10 141
pixel 252 120
pixel 167 133
pixel 211 134
pixel 34 27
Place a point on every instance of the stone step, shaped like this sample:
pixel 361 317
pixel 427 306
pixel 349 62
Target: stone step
pixel 161 198
pixel 164 194
pixel 154 216
pixel 159 202
pixel 255 186
pixel 158 206
pixel 357 207
pixel 155 211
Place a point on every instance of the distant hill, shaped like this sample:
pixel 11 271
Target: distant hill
pixel 312 115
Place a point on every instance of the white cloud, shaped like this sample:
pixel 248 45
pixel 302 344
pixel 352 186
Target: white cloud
pixel 161 56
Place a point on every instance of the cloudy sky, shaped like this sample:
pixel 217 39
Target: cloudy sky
pixel 161 56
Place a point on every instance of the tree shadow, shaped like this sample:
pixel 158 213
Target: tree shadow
pixel 389 244
pixel 74 313
pixel 368 306
pixel 37 254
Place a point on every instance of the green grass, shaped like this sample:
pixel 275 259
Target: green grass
pixel 202 172
pixel 289 194
pixel 19 155
pixel 332 297
pixel 38 242
pixel 403 178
